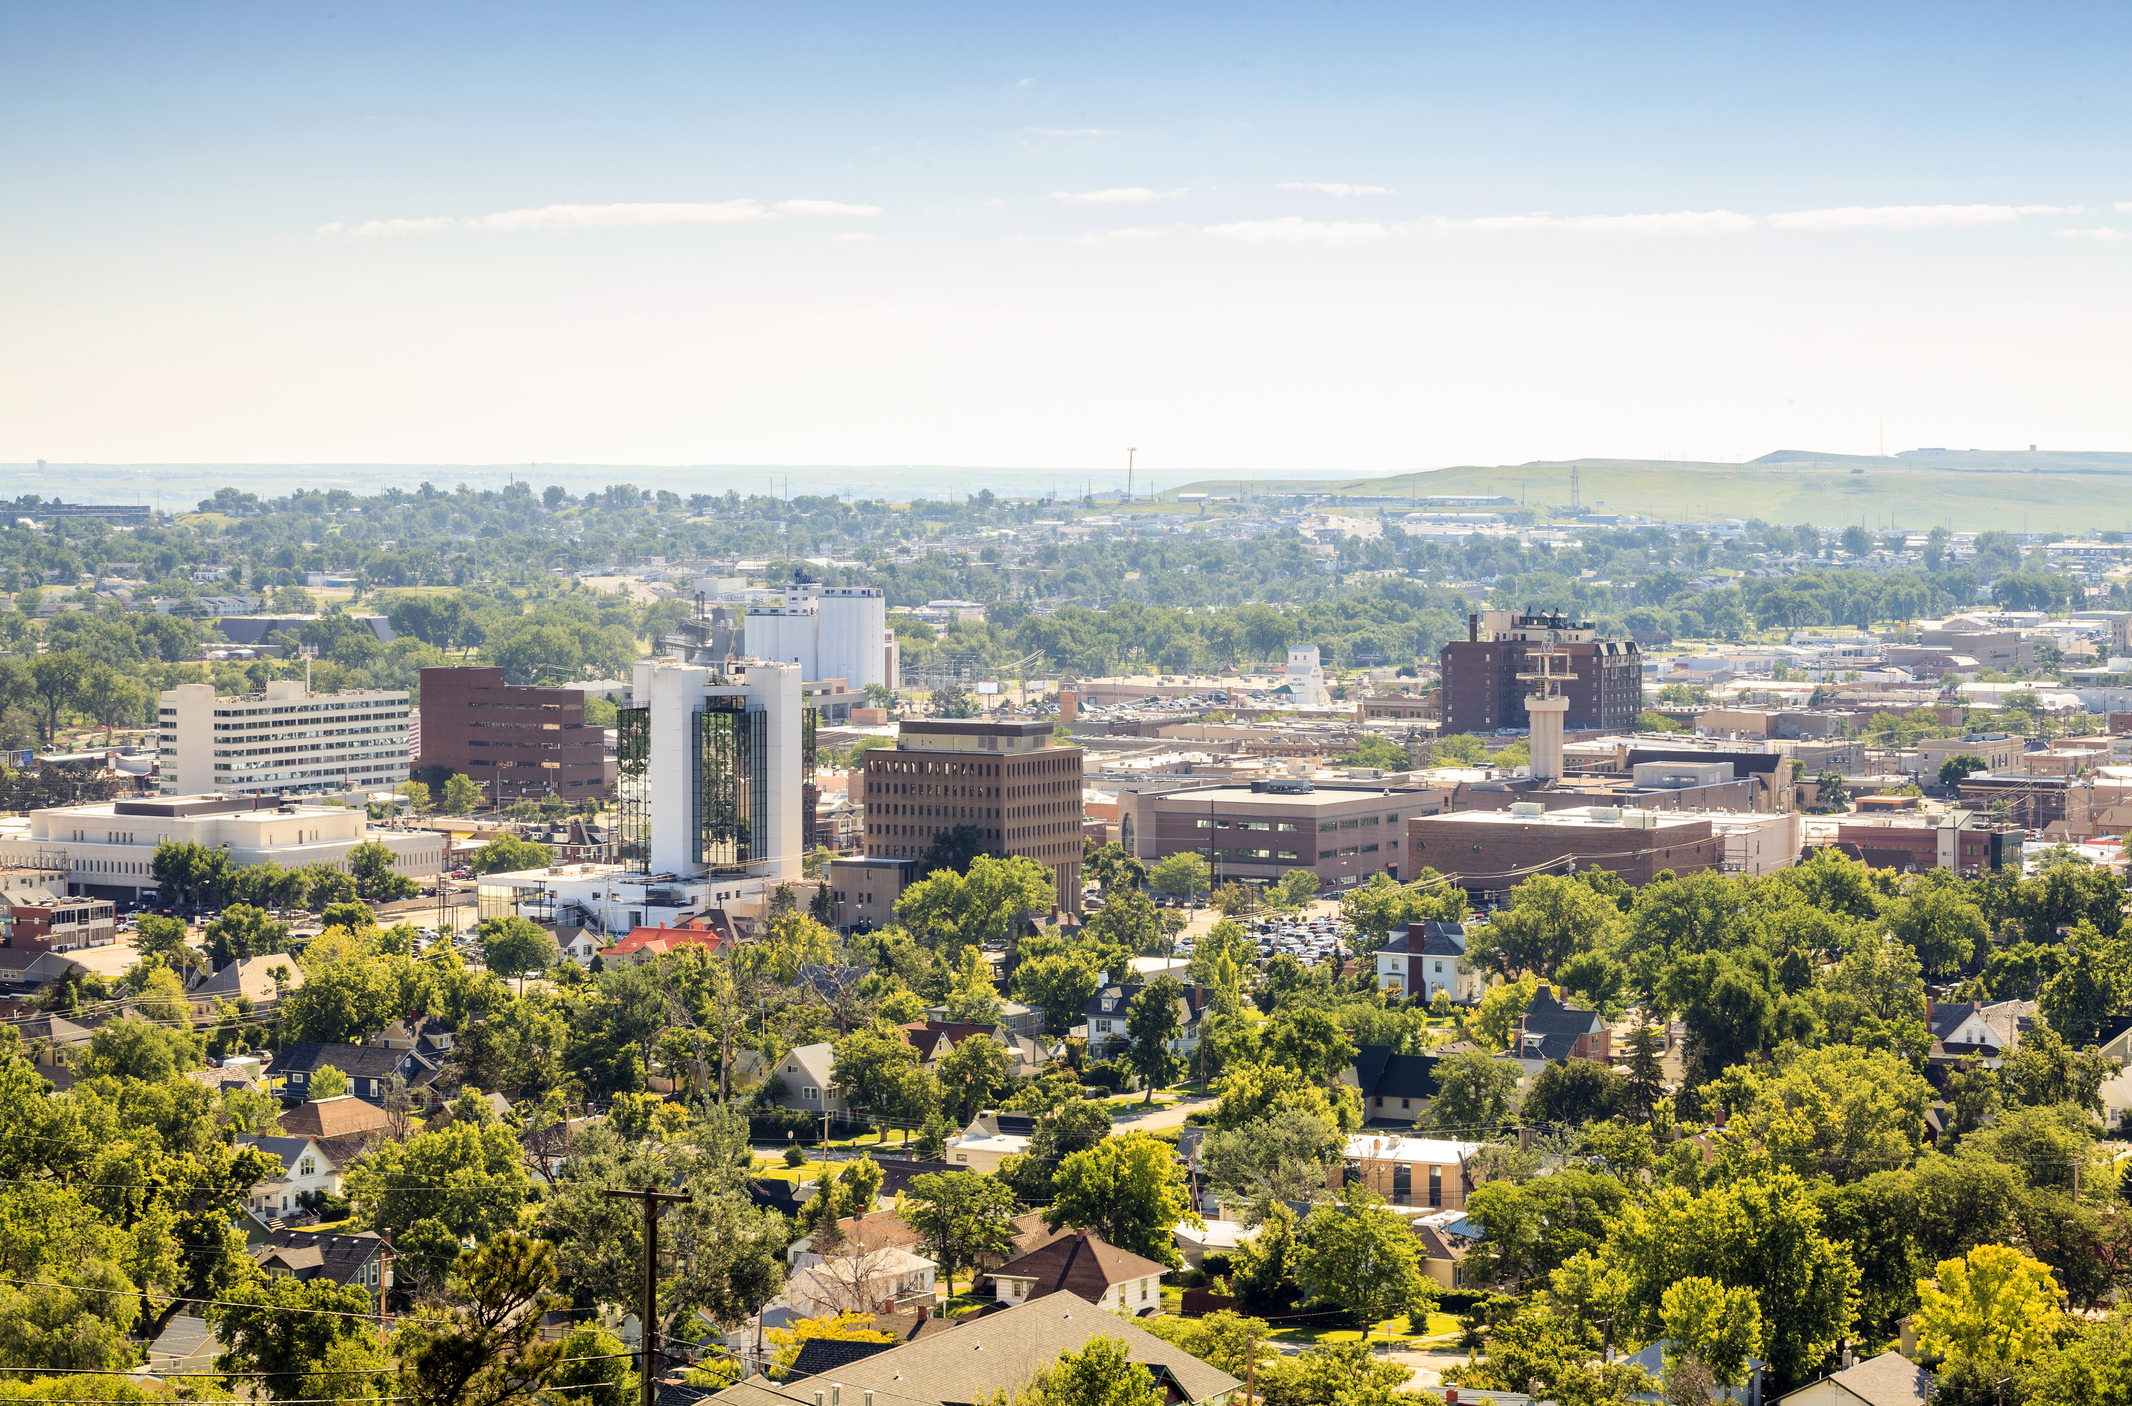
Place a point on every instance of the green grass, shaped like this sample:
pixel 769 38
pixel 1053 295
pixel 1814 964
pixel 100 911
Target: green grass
pixel 1390 1333
pixel 1910 493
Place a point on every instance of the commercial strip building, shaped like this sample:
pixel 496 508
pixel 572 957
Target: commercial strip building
pixel 285 740
pixel 1342 831
pixel 513 740
pixel 108 847
pixel 1009 780
pixel 1967 841
pixel 1482 691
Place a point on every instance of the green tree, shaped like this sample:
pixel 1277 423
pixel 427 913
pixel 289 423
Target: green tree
pixel 594 1369
pixel 2093 987
pixel 965 1217
pixel 326 1082
pixel 469 1179
pixel 1474 1094
pixel 1534 1226
pixel 870 1064
pixel 1957 769
pixel 1356 1253
pixel 1129 1191
pixel 308 1339
pixel 510 854
pixel 1992 1305
pixel 1152 1022
pixel 973 999
pixel 1058 984
pixel 975 1074
pixel 344 1002
pixel 1383 907
pixel 2043 1070
pixel 484 1346
pixel 1280 1157
pixel 1461 749
pixel 370 865
pixel 947 911
pixel 417 794
pixel 1830 798
pixel 1574 1092
pixel 512 946
pixel 1837 1111
pixel 461 795
pixel 1720 1328
pixel 1182 875
pixel 1549 921
pixel 1099 1373
pixel 242 932
pixel 1502 1010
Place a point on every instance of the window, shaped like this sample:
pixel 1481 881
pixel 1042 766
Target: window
pixel 1436 1186
pixel 1346 852
pixel 1370 821
pixel 810 1094
pixel 1325 854
pixel 1103 1027
pixel 1285 825
pixel 1285 854
pixel 308 1167
pixel 1369 849
pixel 1350 825
pixel 1325 825
pixel 1200 824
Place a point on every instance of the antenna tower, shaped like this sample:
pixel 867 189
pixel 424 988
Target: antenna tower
pixel 1574 505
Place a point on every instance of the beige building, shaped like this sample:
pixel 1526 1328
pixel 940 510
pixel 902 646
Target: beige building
pixel 285 740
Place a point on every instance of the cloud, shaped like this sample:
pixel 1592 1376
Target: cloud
pixel 851 236
pixel 1133 235
pixel 1335 188
pixel 1677 222
pixel 1026 83
pixel 2125 205
pixel 1292 229
pixel 1123 195
pixel 574 217
pixel 1070 131
pixel 824 207
pixel 1908 217
pixel 2091 233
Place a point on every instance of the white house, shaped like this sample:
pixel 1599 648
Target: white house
pixel 1114 1280
pixel 305 1167
pixel 860 1281
pixel 1427 958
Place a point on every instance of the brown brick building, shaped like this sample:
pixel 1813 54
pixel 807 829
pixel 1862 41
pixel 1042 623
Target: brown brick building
pixel 513 740
pixel 1494 851
pixel 1008 779
pixel 1482 692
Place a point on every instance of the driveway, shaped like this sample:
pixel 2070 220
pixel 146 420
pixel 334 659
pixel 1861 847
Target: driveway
pixel 1170 1115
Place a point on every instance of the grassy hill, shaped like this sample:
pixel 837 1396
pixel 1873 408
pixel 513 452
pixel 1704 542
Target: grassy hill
pixel 1966 490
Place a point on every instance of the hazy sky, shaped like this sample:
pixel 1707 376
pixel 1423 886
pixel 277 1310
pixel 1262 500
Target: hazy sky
pixel 1337 236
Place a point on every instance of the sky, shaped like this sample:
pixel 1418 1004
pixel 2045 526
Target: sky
pixel 1326 238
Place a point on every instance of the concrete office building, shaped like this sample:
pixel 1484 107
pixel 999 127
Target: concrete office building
pixel 108 847
pixel 512 740
pixel 829 631
pixel 1482 691
pixel 1010 780
pixel 286 740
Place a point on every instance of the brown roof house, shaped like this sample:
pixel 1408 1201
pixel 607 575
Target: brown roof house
pixel 332 1118
pixel 1108 1277
pixel 364 1259
pixel 1887 1380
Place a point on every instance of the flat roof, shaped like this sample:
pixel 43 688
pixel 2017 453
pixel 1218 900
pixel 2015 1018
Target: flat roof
pixel 1321 793
pixel 1571 816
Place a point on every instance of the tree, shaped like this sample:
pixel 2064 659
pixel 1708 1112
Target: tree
pixel 326 1082
pixel 56 679
pixel 1182 875
pixel 965 1216
pixel 973 999
pixel 468 1178
pixel 1957 769
pixel 417 794
pixel 1152 1022
pixel 1311 1042
pixel 2092 987
pixel 1992 1305
pixel 484 1348
pixel 1129 1191
pixel 1837 1111
pixel 1059 985
pixel 1461 749
pixel 1549 921
pixel 111 698
pixel 1574 1092
pixel 1648 721
pixel 975 1074
pixel 1718 1327
pixel 1534 1226
pixel 947 911
pixel 594 1369
pixel 1383 906
pixel 512 946
pixel 1830 797
pixel 1646 1084
pixel 845 1326
pixel 2044 1070
pixel 343 1002
pixel 307 1339
pixel 1280 1157
pixel 1939 921
pixel 1099 1373
pixel 1235 899
pixel 370 865
pixel 1359 1255
pixel 954 849
pixel 509 854
pixel 243 932
pixel 461 795
pixel 1502 1010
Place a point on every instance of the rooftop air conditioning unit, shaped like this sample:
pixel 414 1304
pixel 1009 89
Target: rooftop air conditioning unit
pixel 1528 810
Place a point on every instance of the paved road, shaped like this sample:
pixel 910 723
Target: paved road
pixel 1162 1116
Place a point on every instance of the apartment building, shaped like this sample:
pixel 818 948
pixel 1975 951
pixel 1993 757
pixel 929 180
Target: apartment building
pixel 1482 691
pixel 513 740
pixel 285 740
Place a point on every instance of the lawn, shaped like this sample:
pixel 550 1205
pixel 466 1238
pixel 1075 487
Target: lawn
pixel 1390 1333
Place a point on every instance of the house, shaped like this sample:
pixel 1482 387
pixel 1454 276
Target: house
pixel 992 1354
pixel 423 1034
pixel 808 1078
pixel 2116 1092
pixel 990 1140
pixel 330 1119
pixel 27 972
pixel 1395 1088
pixel 1409 1171
pixel 1217 1237
pixel 1017 1018
pixel 1427 958
pixel 1446 1238
pixel 307 1169
pixel 342 1260
pixel 936 1039
pixel 1114 1280
pixel 876 1280
pixel 1653 1361
pixel 1890 1379
pixel 260 980
pixel 186 1344
pixel 370 1068
pixel 577 944
pixel 1552 1030
pixel 711 931
pixel 1105 1015
pixel 45 1036
pixel 876 1230
pixel 1964 1028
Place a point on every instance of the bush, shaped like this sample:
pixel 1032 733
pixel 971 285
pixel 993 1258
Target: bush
pixel 1103 1074
pixel 795 1158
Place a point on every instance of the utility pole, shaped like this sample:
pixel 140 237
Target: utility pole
pixel 648 1312
pixel 1129 474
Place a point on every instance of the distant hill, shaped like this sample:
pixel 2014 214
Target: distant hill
pixel 1967 490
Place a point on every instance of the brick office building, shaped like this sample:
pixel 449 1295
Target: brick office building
pixel 1009 780
pixel 1482 692
pixel 1257 832
pixel 1495 851
pixel 513 740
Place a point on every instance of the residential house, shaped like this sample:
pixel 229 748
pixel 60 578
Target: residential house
pixel 1990 1032
pixel 711 931
pixel 854 1280
pixel 991 1354
pixel 1446 1238
pixel 1890 1379
pixel 1105 1015
pixel 46 1037
pixel 1653 1361
pixel 936 1039
pixel 1408 1171
pixel 422 1034
pixel 342 1260
pixel 808 1077
pixel 1427 958
pixel 307 1169
pixel 24 972
pixel 370 1068
pixel 1552 1030
pixel 1217 1237
pixel 579 945
pixel 876 1230
pixel 330 1119
pixel 1114 1280
pixel 1017 1018
pixel 261 980
pixel 990 1140
pixel 1395 1088
pixel 186 1345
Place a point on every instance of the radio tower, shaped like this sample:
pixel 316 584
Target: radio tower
pixel 1574 506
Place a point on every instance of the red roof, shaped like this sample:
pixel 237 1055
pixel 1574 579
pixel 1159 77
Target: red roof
pixel 652 941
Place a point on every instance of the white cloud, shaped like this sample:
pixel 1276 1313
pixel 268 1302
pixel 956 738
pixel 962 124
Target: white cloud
pixel 1132 235
pixel 1070 131
pixel 1335 188
pixel 1292 229
pixel 1122 195
pixel 2091 234
pixel 1907 217
pixel 1677 222
pixel 2125 205
pixel 572 217
pixel 851 236
pixel 824 207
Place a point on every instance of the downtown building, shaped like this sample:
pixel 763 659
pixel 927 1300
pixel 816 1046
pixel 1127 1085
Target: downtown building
pixel 511 740
pixel 285 740
pixel 1482 690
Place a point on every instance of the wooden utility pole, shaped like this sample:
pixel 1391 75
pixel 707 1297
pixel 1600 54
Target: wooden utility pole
pixel 648 1312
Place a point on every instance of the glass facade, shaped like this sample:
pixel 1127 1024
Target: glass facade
pixel 632 788
pixel 731 764
pixel 810 790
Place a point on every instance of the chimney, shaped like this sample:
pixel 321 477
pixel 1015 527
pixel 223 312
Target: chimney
pixel 1473 629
